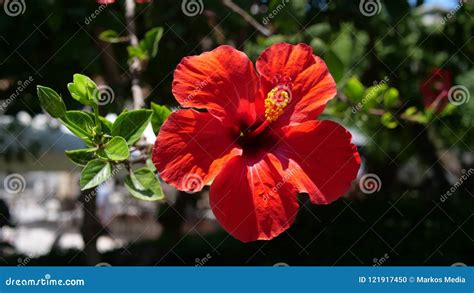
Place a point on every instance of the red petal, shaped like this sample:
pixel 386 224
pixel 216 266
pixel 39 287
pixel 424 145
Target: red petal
pixel 191 149
pixel 313 88
pixel 320 158
pixel 284 61
pixel 435 89
pixel 308 76
pixel 223 81
pixel 251 200
pixel 105 1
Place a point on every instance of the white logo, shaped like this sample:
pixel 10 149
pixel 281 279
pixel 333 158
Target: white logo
pixel 370 183
pixel 458 95
pixel 370 7
pixel 192 183
pixel 104 95
pixel 14 7
pixel 14 183
pixel 192 7
pixel 459 264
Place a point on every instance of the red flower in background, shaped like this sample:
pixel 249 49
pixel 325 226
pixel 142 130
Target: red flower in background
pixel 435 89
pixel 255 138
pixel 113 1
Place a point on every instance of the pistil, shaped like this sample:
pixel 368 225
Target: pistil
pixel 275 103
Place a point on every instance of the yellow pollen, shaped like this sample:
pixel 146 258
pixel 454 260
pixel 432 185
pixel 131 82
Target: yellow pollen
pixel 277 100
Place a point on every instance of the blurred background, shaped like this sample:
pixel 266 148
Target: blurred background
pixel 405 76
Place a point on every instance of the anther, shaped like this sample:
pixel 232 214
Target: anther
pixel 277 100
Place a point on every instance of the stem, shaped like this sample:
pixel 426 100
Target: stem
pixel 97 120
pixel 380 112
pixel 438 99
pixel 135 65
pixel 90 227
pixel 247 17
pixel 215 26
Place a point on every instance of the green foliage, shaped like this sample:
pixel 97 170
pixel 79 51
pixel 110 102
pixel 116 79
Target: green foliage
pixel 109 143
pixel 354 89
pixel 81 124
pixel 414 115
pixel 95 173
pixel 82 156
pixel 116 149
pixel 390 98
pixel 150 165
pixel 106 125
pixel 160 113
pixel 151 41
pixel 137 52
pixel 83 89
pixel 148 47
pixel 143 184
pixel 131 124
pixel 51 101
pixel 110 36
pixel 388 120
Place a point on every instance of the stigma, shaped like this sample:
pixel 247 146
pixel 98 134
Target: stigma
pixel 277 100
pixel 275 103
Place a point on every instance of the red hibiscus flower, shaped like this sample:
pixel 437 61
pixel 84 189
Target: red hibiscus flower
pixel 255 138
pixel 435 89
pixel 113 1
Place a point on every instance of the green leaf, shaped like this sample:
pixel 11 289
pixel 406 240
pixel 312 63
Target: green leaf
pixel 388 120
pixel 318 30
pixel 318 45
pixel 106 125
pixel 51 101
pixel 116 149
pixel 137 52
pixel 411 111
pixel 414 115
pixel 143 184
pixel 110 36
pixel 390 98
pixel 160 113
pixel 95 173
pixel 81 157
pixel 448 110
pixel 148 47
pixel 149 180
pixel 373 95
pixel 83 89
pixel 150 165
pixel 343 45
pixel 130 125
pixel 81 124
pixel 151 40
pixel 354 89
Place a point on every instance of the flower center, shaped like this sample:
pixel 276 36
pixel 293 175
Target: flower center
pixel 277 100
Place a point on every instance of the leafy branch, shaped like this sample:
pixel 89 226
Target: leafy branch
pixel 110 145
